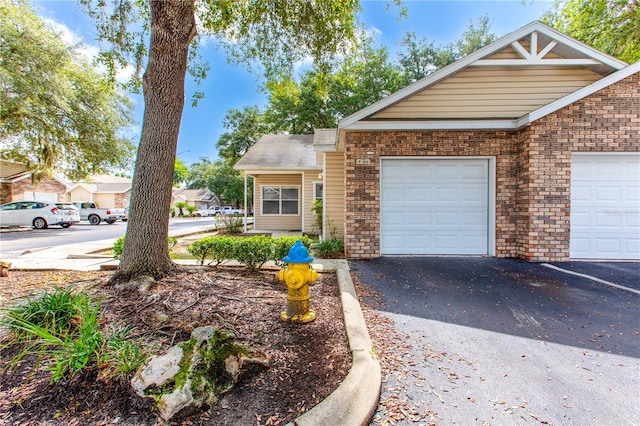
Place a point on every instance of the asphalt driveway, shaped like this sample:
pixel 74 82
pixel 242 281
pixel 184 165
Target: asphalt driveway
pixel 502 341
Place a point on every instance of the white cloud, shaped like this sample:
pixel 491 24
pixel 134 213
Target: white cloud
pixel 86 51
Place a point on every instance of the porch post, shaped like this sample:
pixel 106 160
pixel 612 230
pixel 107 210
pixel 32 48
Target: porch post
pixel 245 202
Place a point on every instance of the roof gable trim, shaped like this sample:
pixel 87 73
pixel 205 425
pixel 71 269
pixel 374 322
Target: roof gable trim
pixel 479 55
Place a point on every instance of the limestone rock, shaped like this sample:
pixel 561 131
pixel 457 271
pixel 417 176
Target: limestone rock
pixel 196 372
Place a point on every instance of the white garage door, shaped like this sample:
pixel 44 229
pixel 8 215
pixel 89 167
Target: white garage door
pixel 51 197
pixel 434 206
pixel 605 206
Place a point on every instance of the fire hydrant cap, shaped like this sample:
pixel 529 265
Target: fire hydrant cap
pixel 298 253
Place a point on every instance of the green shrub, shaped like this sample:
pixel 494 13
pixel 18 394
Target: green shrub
pixel 217 249
pixel 118 246
pixel 328 249
pixel 254 251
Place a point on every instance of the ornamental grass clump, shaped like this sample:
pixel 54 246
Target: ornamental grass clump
pixel 63 329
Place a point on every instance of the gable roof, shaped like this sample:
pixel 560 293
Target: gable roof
pixel 194 194
pixel 280 153
pixel 497 87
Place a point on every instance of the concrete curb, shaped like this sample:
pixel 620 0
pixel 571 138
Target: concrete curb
pixel 354 402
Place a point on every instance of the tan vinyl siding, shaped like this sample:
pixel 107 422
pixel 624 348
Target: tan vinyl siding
pixel 105 201
pixel 80 194
pixel 334 194
pixel 491 92
pixel 275 222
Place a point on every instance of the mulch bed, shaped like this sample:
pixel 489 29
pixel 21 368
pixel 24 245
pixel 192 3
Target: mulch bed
pixel 308 361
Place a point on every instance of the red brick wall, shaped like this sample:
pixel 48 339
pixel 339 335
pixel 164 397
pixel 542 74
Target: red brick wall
pixel 533 170
pixel 5 193
pixel 46 185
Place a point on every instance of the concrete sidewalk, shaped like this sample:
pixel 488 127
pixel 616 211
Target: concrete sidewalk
pixel 352 403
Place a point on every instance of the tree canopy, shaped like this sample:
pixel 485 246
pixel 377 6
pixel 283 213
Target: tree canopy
pixel 56 111
pixel 612 26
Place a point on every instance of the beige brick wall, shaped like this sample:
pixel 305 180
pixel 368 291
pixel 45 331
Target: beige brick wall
pixel 533 170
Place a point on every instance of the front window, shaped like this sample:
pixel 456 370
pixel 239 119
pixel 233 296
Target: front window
pixel 279 200
pixel 318 191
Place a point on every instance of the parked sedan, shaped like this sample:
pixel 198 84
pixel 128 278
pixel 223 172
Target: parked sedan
pixel 38 214
pixel 207 212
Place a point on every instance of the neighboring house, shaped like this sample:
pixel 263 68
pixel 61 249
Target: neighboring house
pixel 527 148
pixel 16 185
pixel 201 198
pixel 105 190
pixel 287 175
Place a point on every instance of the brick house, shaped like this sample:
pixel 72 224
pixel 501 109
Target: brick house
pixel 106 191
pixel 527 148
pixel 16 185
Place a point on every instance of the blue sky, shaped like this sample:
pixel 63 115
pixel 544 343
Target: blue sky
pixel 235 87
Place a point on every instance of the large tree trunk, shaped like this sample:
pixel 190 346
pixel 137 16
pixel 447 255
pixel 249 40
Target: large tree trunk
pixel 146 250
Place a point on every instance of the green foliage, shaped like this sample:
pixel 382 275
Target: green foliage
pixel 218 249
pixel 422 57
pixel 317 210
pixel 220 178
pixel 233 223
pixel 63 328
pixel 252 251
pixel 121 356
pixel 181 206
pixel 612 26
pixel 244 129
pixel 329 249
pixel 58 113
pixel 191 209
pixel 180 172
pixel 118 245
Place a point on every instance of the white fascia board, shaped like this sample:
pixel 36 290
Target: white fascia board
pixel 326 148
pixel 278 170
pixel 506 124
pixel 585 91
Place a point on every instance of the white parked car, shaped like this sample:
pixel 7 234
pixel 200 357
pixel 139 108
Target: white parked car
pixel 38 214
pixel 211 211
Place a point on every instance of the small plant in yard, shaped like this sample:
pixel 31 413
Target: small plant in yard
pixel 63 328
pixel 327 249
pixel 233 223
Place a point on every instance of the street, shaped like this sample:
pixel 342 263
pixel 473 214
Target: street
pixel 16 242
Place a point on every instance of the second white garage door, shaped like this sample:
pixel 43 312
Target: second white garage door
pixel 434 206
pixel 605 206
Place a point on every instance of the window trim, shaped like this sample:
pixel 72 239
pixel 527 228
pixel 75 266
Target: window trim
pixel 280 188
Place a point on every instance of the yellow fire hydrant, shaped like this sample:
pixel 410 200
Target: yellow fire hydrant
pixel 298 275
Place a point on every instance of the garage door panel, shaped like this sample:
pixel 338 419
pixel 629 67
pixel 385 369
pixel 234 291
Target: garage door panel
pixel 605 206
pixel 444 206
